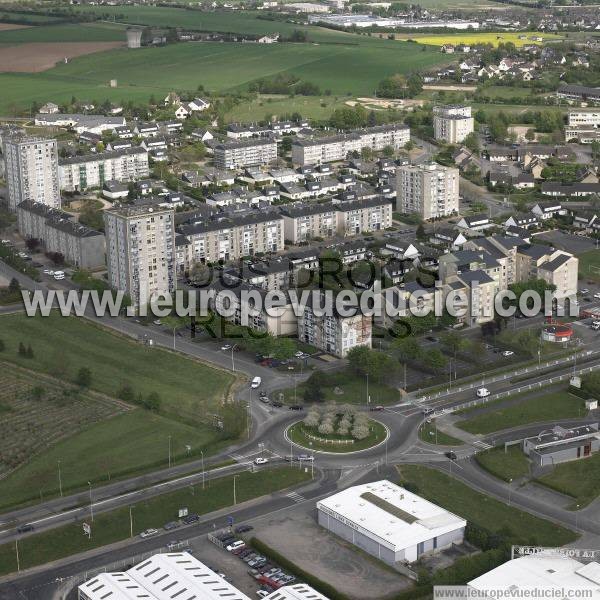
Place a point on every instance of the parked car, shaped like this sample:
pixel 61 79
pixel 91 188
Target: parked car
pixel 237 545
pixel 243 528
pixel 296 407
pixel 508 353
pixel 262 593
pixel 170 525
pixel 148 533
pixel 277 404
pixel 58 275
pixel 261 461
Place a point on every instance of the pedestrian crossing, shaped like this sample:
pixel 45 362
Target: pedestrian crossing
pixel 482 445
pixel 296 497
pixel 238 457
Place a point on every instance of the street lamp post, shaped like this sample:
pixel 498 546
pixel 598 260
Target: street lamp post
pixel 509 490
pixel 202 455
pixel 368 399
pixel 234 491
pixel 577 517
pixel 91 503
pixel 169 452
pixel 131 521
pixel 59 480
pixel 232 360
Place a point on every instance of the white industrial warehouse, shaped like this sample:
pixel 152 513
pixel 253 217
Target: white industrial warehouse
pixel 177 575
pixel 390 522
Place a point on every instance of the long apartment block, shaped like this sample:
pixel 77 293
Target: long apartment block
pixel 238 154
pixel 93 170
pixel 331 148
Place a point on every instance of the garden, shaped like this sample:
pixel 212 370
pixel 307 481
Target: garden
pixel 337 428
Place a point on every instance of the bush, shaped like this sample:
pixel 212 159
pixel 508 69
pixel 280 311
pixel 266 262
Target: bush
pixel 84 377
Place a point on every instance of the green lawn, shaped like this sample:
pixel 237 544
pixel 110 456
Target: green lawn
pixel 316 108
pixel 188 389
pixel 115 525
pixel 544 407
pixel 483 510
pixel 589 265
pixel 429 433
pixel 504 91
pixel 297 433
pixel 123 445
pixel 512 464
pixel 579 479
pixel 354 390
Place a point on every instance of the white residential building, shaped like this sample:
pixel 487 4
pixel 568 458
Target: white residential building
pixel 140 251
pixel 337 147
pixel 238 154
pixel 452 124
pixel 584 118
pixel 93 170
pixel 389 522
pixel 430 190
pixel 31 170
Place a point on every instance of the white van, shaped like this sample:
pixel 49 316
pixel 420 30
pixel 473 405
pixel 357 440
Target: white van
pixel 256 382
pixel 59 275
pixel 483 392
pixel 596 325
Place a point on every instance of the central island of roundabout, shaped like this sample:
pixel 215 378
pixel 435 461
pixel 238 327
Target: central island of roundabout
pixel 336 429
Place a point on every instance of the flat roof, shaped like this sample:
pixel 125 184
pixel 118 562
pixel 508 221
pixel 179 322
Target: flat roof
pixel 394 516
pixel 543 572
pixel 298 591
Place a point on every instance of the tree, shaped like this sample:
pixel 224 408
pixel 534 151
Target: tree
pixel 84 377
pixel 200 274
pixel 312 419
pixel 530 135
pixel 32 244
pixel 14 287
pixel 29 351
pixel 22 350
pixel 126 393
pixel 283 348
pixel 388 151
pixel 313 392
pixel 360 432
pixel 454 342
pixel 2 346
pixel 435 359
pixel 152 402
pixel 410 145
pixel 472 142
pixel 326 427
pixel 420 232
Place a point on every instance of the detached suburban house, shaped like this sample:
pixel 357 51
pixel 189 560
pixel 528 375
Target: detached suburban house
pixel 475 223
pixel 524 220
pixel 548 210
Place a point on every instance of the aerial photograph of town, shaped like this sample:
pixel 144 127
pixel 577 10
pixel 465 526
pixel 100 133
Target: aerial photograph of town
pixel 299 300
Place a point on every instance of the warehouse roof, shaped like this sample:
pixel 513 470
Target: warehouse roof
pixel 298 591
pixel 394 516
pixel 543 572
pixel 115 586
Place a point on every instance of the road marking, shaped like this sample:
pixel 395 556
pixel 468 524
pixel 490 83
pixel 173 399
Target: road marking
pixel 482 445
pixel 296 497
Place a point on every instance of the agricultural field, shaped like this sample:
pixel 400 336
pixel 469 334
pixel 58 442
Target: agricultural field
pixel 188 389
pixel 125 445
pixel 37 412
pixel 493 38
pixel 81 32
pixel 218 67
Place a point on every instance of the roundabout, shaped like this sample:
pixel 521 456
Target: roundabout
pixel 337 439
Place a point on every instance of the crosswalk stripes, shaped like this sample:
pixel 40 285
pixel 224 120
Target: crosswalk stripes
pixel 238 457
pixel 297 498
pixel 482 445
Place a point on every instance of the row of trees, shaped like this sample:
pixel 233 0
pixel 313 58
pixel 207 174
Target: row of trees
pixel 343 421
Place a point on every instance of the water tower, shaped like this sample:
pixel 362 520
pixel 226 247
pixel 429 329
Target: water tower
pixel 134 38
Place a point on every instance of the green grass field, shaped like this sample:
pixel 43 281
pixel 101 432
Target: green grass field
pixel 124 445
pixel 218 67
pixel 503 91
pixel 483 510
pixel 113 526
pixel 579 479
pixel 537 409
pixel 81 32
pixel 429 433
pixel 316 108
pixel 187 388
pixel 512 464
pixel 589 265
pixel 354 390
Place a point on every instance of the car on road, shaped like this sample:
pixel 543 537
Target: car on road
pixel 597 295
pixel 299 354
pixel 261 461
pixel 48 272
pixel 58 275
pixel 507 353
pixel 482 392
pixel 595 325
pixel 451 455
pixel 427 410
pixel 376 408
pixel 157 322
pixel 243 528
pixel 584 291
pixel 170 525
pixel 256 382
pixel 189 519
pixel 148 533
pixel 25 528
pixel 296 407
pixel 277 404
pixel 226 347
pixel 431 338
pixel 237 545
pixel 305 457
pixel 264 399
